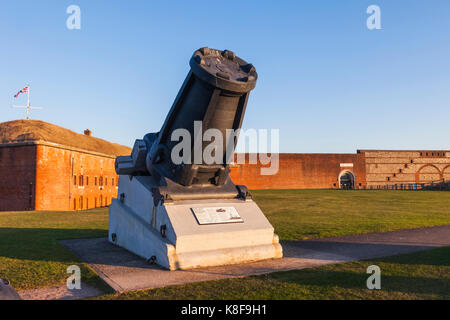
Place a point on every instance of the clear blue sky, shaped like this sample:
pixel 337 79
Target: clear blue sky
pixel 326 81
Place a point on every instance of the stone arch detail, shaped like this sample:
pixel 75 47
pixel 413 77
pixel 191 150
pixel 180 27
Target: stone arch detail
pixel 428 173
pixel 344 172
pixel 446 173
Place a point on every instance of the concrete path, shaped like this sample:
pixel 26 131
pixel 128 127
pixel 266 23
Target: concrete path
pixel 59 293
pixel 124 271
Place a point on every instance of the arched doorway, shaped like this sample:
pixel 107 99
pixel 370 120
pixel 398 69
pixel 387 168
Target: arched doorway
pixel 347 180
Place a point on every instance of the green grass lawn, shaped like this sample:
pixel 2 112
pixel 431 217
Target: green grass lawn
pixel 32 257
pixel 420 275
pixel 302 214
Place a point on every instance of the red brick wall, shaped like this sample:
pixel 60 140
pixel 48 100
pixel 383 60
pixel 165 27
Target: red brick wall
pixel 301 171
pixel 56 170
pixel 17 178
pixel 384 167
pixel 41 177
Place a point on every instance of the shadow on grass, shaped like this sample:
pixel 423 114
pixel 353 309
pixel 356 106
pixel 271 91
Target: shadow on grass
pixel 324 277
pixel 436 257
pixel 346 251
pixel 41 243
pixel 37 252
pixel 45 244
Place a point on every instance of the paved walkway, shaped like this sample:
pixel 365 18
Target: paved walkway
pixel 59 293
pixel 124 271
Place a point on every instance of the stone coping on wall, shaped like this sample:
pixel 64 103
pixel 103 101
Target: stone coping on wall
pixel 54 145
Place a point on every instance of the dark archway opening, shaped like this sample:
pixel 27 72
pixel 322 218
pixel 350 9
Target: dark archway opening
pixel 347 181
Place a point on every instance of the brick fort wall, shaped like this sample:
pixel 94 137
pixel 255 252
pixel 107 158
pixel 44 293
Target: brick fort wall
pixel 46 176
pixel 406 167
pixel 73 180
pixel 302 171
pixel 17 178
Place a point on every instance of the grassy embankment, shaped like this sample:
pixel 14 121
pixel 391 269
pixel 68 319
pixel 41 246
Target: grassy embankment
pixel 32 257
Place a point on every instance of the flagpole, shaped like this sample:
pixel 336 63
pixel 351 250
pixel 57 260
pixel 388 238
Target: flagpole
pixel 28 103
pixel 28 106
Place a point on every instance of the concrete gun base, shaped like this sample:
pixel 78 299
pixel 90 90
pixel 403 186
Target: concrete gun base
pixel 171 235
pixel 7 292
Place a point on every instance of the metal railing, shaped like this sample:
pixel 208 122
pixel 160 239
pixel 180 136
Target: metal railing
pixel 441 185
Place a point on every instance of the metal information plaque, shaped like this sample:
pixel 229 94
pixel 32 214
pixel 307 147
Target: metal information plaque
pixel 216 215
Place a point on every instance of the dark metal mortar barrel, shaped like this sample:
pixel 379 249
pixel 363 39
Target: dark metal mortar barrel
pixel 215 92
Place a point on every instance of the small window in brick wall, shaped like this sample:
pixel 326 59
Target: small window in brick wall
pixel 81 181
pixel 112 182
pixel 87 180
pixel 106 181
pixel 95 181
pixel 74 180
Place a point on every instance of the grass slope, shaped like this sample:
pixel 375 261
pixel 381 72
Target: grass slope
pixel 302 214
pixel 421 275
pixel 32 257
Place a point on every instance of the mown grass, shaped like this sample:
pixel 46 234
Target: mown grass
pixel 421 275
pixel 32 257
pixel 303 214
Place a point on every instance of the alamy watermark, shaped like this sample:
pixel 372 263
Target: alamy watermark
pixel 73 22
pixel 374 20
pixel 374 281
pixel 215 147
pixel 74 280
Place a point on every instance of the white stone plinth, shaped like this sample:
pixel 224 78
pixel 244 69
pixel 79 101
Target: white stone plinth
pixel 172 234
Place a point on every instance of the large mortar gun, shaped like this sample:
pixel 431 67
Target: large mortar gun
pixel 185 212
pixel 215 92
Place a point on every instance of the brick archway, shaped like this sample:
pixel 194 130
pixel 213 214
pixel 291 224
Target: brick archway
pixel 446 173
pixel 347 179
pixel 428 173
